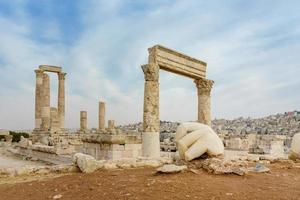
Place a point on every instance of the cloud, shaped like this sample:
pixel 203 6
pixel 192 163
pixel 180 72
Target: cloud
pixel 251 50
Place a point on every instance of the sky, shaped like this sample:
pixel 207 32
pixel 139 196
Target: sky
pixel 252 51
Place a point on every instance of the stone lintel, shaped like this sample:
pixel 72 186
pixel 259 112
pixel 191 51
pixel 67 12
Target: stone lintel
pixel 179 63
pixel 50 68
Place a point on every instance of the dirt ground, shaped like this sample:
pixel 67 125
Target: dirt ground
pixel 280 183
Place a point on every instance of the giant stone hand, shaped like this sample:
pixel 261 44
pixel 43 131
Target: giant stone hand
pixel 193 139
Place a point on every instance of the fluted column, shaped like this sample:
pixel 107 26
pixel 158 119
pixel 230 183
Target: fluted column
pixel 61 99
pixel 101 116
pixel 38 98
pixel 204 87
pixel 45 111
pixel 151 122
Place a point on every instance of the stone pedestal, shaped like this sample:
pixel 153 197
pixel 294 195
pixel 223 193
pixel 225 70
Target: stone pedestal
pixel 150 145
pixel 83 121
pixel 204 87
pixel 61 99
pixel 101 116
pixel 38 98
pixel 45 111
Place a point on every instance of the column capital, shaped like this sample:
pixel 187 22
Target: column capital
pixel 151 72
pixel 204 85
pixel 39 72
pixel 61 75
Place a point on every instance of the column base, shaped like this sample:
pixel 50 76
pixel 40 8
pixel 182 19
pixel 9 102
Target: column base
pixel 150 144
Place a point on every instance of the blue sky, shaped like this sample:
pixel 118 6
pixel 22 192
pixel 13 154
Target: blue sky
pixel 251 47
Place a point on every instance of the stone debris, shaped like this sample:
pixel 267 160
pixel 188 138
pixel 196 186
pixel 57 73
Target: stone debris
pixel 295 148
pixel 34 170
pixel 221 166
pixel 260 168
pixel 171 168
pixel 58 196
pixel 87 163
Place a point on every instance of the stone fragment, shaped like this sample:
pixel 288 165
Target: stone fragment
pixel 295 148
pixel 58 196
pixel 260 168
pixel 110 165
pixel 221 166
pixel 171 168
pixel 86 163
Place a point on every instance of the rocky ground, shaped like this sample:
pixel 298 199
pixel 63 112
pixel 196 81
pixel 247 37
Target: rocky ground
pixel 282 182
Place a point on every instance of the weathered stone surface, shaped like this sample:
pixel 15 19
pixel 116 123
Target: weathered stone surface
pixel 42 100
pixel 61 99
pixel 201 140
pixel 204 87
pixel 86 163
pixel 295 148
pixel 171 168
pixel 221 166
pixel 163 58
pixel 83 121
pixel 101 115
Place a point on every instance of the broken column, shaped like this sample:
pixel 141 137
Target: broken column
pixel 150 137
pixel 45 111
pixel 38 98
pixel 111 125
pixel 83 121
pixel 54 120
pixel 61 99
pixel 101 116
pixel 204 87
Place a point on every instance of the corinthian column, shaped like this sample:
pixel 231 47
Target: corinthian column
pixel 38 98
pixel 150 137
pixel 204 87
pixel 45 111
pixel 61 99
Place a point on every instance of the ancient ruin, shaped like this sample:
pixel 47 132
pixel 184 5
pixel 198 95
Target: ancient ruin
pixel 169 60
pixel 193 139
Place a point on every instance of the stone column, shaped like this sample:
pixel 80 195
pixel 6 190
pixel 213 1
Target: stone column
pixel 111 125
pixel 46 103
pixel 38 98
pixel 151 123
pixel 54 121
pixel 204 87
pixel 83 120
pixel 101 116
pixel 61 99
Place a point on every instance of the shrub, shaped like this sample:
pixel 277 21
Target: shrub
pixel 17 136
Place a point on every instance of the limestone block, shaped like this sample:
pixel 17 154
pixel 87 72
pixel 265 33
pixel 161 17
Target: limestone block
pixel 171 168
pixel 133 146
pixel 110 165
pixel 117 147
pixel 87 163
pixel 127 154
pixel 194 139
pixel 295 147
